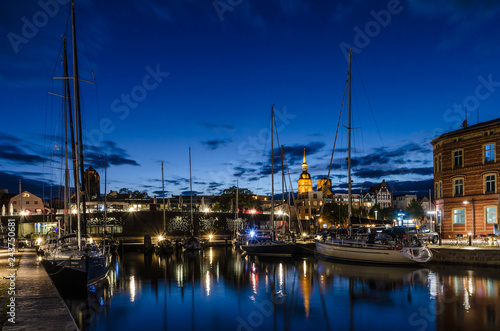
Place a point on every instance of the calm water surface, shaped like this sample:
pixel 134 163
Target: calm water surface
pixel 219 289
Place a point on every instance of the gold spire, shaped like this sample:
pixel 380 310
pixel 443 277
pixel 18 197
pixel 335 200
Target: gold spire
pixel 304 163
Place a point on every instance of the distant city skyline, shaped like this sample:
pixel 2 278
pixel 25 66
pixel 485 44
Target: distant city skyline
pixel 170 76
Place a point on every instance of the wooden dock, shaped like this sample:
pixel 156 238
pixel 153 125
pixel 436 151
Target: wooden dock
pixel 38 305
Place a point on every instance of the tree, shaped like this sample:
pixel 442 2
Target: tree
pixel 125 193
pixel 415 210
pixel 335 213
pixel 245 198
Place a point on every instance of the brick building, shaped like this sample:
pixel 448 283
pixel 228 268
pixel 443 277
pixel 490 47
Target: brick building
pixel 466 171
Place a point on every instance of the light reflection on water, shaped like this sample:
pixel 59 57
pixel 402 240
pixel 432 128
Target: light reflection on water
pixel 219 289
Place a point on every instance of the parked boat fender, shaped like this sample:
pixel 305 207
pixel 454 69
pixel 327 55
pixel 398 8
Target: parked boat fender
pixel 398 246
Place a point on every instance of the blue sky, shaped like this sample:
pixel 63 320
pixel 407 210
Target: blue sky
pixel 179 74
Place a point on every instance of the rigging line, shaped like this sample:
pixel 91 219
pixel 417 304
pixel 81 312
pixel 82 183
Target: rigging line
pixel 368 100
pixel 333 149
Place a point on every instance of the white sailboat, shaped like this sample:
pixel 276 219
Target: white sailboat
pixel 264 246
pixel 393 252
pixel 76 259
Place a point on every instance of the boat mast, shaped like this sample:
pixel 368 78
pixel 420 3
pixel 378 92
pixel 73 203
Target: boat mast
pixel 272 171
pixel 163 193
pixel 349 185
pixel 236 212
pixel 66 168
pixel 105 190
pixel 191 193
pixel 77 127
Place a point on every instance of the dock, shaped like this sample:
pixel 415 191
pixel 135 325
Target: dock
pixel 38 305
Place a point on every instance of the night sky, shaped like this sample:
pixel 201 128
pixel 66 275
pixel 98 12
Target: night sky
pixel 204 74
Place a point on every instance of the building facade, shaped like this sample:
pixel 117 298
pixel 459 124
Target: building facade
pixel 92 184
pixel 466 171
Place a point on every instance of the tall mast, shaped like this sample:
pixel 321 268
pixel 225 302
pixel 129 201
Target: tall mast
pixel 77 112
pixel 349 185
pixel 272 170
pixel 66 168
pixel 191 192
pixel 163 194
pixel 105 189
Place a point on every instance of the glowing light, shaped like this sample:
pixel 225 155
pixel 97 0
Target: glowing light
pixel 39 241
pixel 132 288
pixel 280 212
pixel 210 236
pixel 210 254
pixel 206 210
pixel 74 211
pixel 91 240
pixel 304 234
pixel 160 238
pixel 305 269
pixel 207 282
pixel 252 233
pixel 131 209
pixel 252 211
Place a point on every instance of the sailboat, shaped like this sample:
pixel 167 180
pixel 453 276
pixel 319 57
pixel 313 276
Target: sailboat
pixel 164 245
pixel 192 243
pixel 76 259
pixel 265 246
pixel 391 252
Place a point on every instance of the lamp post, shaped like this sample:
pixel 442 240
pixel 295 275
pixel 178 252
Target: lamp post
pixel 376 212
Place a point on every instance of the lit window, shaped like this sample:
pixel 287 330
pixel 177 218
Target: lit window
pixel 457 158
pixel 491 214
pixel 459 186
pixel 489 184
pixel 489 153
pixel 459 216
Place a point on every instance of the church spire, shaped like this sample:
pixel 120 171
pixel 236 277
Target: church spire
pixel 304 163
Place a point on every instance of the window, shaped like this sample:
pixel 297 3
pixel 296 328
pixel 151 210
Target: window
pixel 36 202
pixel 489 153
pixel 459 186
pixel 489 184
pixel 491 215
pixel 14 202
pixel 439 218
pixel 457 158
pixel 440 190
pixel 436 191
pixel 458 216
pixel 436 169
pixel 27 202
pixel 439 162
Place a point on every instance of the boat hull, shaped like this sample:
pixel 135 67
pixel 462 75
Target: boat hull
pixel 373 255
pixel 277 250
pixel 83 271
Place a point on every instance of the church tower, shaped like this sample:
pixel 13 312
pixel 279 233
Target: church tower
pixel 92 184
pixel 305 181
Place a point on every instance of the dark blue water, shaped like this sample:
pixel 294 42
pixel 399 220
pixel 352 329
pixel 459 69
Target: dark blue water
pixel 219 289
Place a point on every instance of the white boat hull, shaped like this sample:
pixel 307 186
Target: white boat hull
pixel 363 253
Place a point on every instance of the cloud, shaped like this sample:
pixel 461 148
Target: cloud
pixel 214 144
pixel 371 173
pixel 294 154
pixel 13 151
pixel 115 155
pixel 212 126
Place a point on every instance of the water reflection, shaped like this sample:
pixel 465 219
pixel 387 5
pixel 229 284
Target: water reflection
pixel 219 289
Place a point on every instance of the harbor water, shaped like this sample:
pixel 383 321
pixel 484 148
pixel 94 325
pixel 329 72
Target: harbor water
pixel 221 289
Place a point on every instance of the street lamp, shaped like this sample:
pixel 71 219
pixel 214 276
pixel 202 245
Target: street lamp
pixel 376 212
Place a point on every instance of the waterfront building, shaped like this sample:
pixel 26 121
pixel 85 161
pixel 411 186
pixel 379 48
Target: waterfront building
pixel 25 203
pixel 466 173
pixel 401 202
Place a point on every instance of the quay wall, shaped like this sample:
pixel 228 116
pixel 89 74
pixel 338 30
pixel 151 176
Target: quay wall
pixel 475 256
pixel 138 224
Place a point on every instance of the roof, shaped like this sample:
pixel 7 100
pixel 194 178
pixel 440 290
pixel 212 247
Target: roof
pixel 474 127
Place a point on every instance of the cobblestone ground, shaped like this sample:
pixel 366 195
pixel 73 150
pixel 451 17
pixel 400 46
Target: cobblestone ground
pixel 4 281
